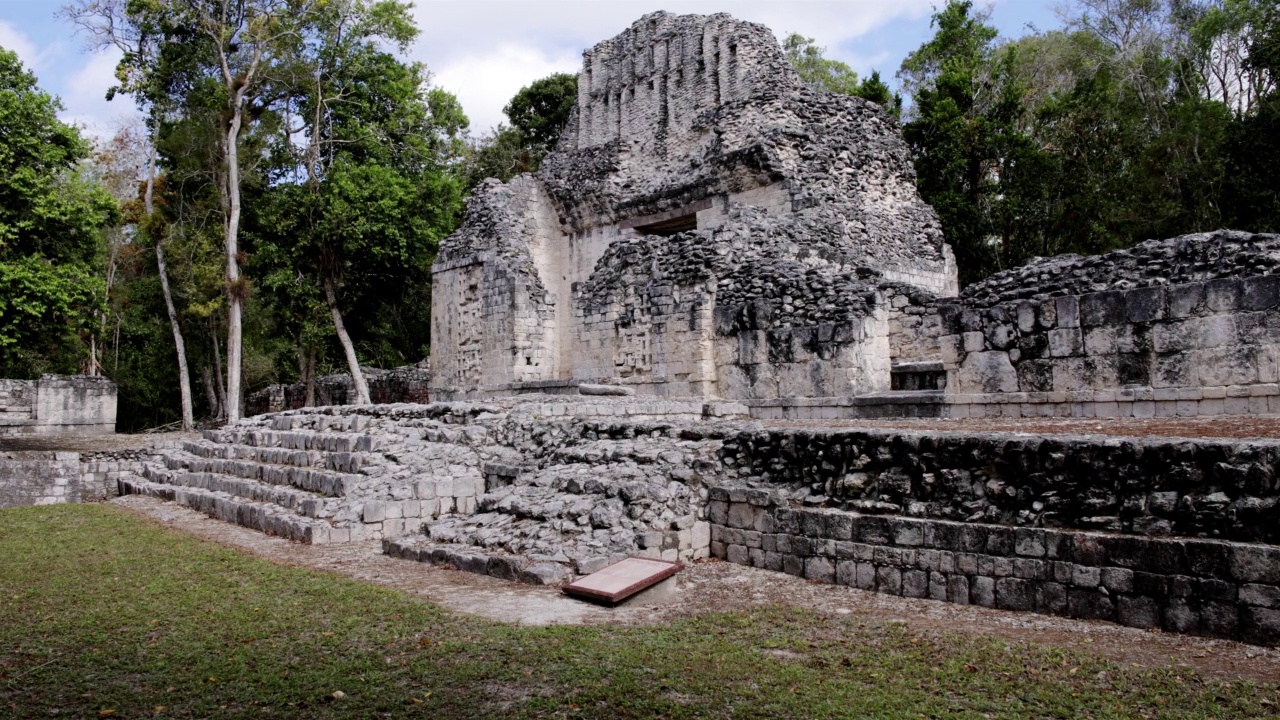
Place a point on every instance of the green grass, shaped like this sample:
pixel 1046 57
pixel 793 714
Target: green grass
pixel 105 614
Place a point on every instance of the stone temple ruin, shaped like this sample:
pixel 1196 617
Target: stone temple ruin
pixel 623 341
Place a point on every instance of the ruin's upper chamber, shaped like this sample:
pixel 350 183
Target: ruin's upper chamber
pixel 682 116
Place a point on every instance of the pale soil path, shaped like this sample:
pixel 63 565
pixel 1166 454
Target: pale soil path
pixel 721 586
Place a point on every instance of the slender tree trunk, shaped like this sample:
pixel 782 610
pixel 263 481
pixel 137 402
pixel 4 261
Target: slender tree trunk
pixel 235 289
pixel 217 367
pixel 307 373
pixel 184 375
pixel 311 377
pixel 353 363
pixel 210 394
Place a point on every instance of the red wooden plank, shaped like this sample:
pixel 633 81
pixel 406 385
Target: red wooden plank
pixel 621 580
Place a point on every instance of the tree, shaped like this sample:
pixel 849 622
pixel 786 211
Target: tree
pixel 823 73
pixel 51 221
pixel 1251 195
pixel 963 132
pixel 370 137
pixel 541 109
pixel 538 114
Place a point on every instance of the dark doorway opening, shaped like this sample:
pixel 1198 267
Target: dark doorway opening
pixel 670 226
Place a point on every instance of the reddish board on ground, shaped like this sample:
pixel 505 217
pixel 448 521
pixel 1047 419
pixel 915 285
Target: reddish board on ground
pixel 621 580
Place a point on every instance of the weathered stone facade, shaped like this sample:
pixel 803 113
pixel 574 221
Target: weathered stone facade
pixel 58 404
pixel 698 179
pixel 409 384
pixel 711 227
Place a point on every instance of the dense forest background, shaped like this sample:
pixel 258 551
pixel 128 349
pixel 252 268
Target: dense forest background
pixel 275 216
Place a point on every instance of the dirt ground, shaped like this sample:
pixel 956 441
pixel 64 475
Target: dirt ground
pixel 88 443
pixel 723 586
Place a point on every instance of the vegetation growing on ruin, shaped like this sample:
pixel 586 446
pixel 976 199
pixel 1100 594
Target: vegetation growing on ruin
pixel 1135 119
pixel 106 615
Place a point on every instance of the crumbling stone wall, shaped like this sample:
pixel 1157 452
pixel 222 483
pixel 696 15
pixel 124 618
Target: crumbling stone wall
pixel 698 174
pixel 58 404
pixel 1175 534
pixel 1207 587
pixel 409 384
pixel 1180 327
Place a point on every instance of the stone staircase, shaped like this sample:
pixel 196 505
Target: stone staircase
pixel 581 507
pixel 317 477
pixel 522 488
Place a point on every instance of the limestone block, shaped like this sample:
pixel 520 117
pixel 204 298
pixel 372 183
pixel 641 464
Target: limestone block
pixel 988 372
pixel 1065 342
pixel 373 512
pixel 974 342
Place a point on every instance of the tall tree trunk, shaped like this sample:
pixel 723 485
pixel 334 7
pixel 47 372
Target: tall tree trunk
pixel 353 364
pixel 210 394
pixel 311 377
pixel 184 375
pixel 217 367
pixel 307 373
pixel 235 289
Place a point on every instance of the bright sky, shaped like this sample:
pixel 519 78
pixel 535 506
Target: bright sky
pixel 485 50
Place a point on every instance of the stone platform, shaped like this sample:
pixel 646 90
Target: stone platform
pixel 1176 533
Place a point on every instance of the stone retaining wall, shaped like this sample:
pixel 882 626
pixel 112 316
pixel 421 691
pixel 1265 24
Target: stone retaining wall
pixel 39 478
pixel 1208 587
pixel 1150 532
pixel 58 404
pixel 56 478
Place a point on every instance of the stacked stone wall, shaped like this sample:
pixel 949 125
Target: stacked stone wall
pixel 58 404
pixel 17 405
pixel 410 384
pixel 39 478
pixel 1208 587
pixel 1175 534
pixel 56 478
pixel 1205 348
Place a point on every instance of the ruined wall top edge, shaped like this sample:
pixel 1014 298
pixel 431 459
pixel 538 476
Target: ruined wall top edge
pixel 1194 258
pixel 690 56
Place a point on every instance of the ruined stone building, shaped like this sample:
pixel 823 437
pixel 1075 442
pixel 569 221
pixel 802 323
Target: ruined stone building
pixel 709 226
pixel 701 197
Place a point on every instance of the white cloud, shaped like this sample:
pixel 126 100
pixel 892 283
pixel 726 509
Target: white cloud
pixel 84 96
pixel 486 50
pixel 13 39
pixel 485 82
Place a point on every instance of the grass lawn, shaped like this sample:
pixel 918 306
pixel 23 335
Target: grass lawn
pixel 103 614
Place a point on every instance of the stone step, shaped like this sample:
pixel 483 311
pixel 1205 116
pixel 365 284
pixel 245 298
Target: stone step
pixel 341 462
pixel 322 482
pixel 264 517
pixel 294 439
pixel 564 541
pixel 296 501
pixel 274 456
pixel 498 564
pixel 320 421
